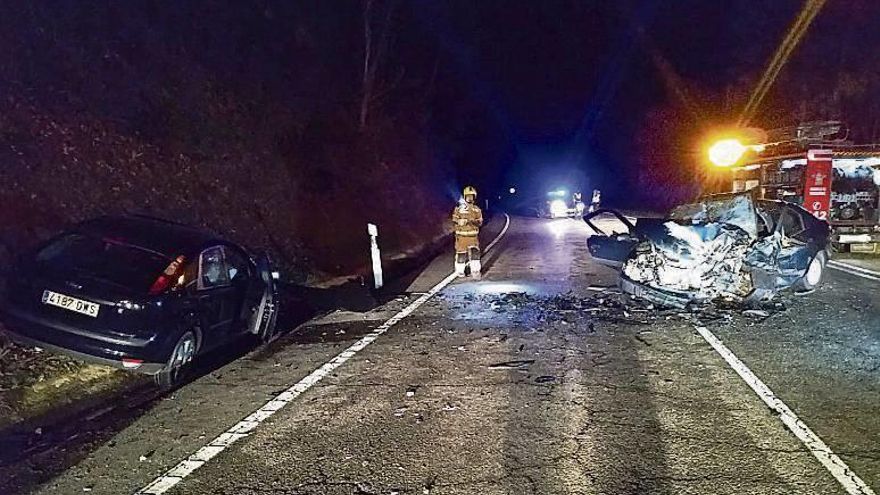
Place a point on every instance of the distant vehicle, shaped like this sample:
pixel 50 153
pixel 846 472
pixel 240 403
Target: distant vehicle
pixel 141 294
pixel 558 206
pixel 730 246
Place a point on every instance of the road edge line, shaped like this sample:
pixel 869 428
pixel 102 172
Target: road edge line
pixel 834 464
pixel 854 270
pixel 170 478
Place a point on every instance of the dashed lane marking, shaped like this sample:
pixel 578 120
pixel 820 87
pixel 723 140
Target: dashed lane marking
pixel 244 427
pixel 834 464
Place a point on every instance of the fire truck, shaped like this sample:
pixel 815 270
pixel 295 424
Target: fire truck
pixel 814 165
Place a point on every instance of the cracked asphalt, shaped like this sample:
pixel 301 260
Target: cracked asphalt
pixel 485 390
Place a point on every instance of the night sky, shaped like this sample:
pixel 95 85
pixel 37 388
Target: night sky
pixel 618 95
pixel 574 91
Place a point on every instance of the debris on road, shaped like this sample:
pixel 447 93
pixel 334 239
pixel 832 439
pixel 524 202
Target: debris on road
pixel 520 364
pixel 595 311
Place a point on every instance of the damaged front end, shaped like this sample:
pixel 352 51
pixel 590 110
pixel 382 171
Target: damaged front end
pixel 724 247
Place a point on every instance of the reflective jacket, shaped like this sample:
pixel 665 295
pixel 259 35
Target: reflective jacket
pixel 467 219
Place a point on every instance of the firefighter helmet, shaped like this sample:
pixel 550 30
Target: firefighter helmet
pixel 470 190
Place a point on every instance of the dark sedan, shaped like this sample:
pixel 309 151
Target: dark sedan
pixel 729 246
pixel 139 293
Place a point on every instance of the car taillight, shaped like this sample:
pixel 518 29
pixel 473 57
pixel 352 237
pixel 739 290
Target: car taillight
pixel 171 274
pixel 131 363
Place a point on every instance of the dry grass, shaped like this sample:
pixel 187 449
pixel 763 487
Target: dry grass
pixel 34 382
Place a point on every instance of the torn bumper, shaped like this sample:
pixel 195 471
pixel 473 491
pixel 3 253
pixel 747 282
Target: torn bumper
pixel 659 297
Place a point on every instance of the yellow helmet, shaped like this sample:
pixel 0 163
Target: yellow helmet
pixel 470 190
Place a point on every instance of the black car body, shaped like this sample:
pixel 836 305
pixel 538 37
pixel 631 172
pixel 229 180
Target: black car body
pixel 728 245
pixel 130 291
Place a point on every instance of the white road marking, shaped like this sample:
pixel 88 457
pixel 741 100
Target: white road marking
pixel 855 270
pixel 241 429
pixel 834 464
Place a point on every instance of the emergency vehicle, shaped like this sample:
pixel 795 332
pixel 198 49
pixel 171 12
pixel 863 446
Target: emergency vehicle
pixel 834 179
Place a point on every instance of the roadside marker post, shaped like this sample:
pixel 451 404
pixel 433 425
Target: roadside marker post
pixel 375 255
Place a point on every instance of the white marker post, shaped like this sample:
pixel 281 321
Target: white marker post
pixel 375 255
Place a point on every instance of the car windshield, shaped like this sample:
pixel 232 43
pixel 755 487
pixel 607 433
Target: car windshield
pixel 107 259
pixel 736 210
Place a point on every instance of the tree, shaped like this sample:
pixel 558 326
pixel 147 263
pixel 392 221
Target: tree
pixel 377 37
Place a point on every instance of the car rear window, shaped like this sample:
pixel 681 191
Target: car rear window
pixel 107 259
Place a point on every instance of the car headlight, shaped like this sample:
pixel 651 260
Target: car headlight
pixel 558 208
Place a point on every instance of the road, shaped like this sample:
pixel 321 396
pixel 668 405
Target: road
pixel 505 387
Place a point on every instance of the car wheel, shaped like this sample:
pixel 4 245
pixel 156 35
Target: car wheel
pixel 177 368
pixel 814 274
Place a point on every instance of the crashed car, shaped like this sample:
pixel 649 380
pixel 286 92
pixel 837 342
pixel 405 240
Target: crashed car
pixel 727 246
pixel 139 293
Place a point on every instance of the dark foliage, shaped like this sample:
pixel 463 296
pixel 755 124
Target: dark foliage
pixel 242 117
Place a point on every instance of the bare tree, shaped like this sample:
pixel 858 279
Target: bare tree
pixel 376 40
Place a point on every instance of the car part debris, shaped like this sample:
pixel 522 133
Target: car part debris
pixel 520 364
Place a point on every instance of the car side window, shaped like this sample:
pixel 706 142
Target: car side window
pixel 236 265
pixel 792 224
pixel 213 271
pixel 765 222
pixel 191 273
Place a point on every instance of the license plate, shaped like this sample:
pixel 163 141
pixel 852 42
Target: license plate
pixel 71 303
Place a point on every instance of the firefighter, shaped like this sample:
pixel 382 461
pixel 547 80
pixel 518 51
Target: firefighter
pixel 467 218
pixel 594 202
pixel 578 201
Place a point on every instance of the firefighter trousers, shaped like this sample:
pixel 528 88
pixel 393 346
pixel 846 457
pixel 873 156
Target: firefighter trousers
pixel 467 255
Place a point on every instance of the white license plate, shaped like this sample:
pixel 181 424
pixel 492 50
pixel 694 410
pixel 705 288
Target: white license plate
pixel 71 303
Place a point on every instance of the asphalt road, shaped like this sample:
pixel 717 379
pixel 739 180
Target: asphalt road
pixel 505 387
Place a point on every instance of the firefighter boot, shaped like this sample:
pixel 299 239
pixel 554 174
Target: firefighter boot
pixel 460 263
pixel 475 265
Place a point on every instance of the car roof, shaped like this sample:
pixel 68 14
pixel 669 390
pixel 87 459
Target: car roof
pixel 162 236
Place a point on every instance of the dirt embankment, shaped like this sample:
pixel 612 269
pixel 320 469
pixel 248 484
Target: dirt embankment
pixel 60 169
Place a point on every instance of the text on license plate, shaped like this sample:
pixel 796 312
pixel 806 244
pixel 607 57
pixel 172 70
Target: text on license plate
pixel 71 303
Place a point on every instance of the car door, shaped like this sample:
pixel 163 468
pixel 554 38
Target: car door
pixel 218 299
pixel 794 253
pixel 610 249
pixel 244 281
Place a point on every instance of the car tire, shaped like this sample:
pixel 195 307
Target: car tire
pixel 176 370
pixel 814 274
